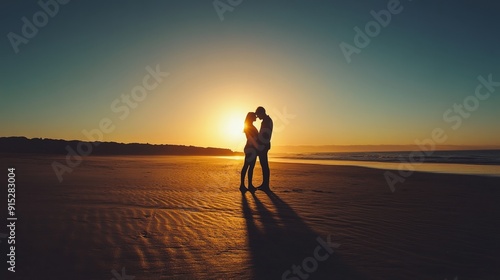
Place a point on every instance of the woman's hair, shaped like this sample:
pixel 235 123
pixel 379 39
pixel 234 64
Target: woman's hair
pixel 248 121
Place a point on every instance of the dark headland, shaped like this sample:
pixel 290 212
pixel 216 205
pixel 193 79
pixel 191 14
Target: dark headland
pixel 53 146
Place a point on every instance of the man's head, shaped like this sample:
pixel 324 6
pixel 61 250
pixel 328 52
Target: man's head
pixel 260 112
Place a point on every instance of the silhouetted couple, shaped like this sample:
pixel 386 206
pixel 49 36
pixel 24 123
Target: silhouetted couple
pixel 258 145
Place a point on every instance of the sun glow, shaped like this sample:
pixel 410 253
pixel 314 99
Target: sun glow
pixel 232 128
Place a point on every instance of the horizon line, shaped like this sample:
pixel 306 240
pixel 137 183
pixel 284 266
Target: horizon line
pixel 303 146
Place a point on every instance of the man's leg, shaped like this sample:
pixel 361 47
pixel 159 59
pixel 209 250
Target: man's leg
pixel 264 163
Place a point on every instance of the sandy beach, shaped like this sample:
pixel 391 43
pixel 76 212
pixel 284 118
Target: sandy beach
pixel 174 217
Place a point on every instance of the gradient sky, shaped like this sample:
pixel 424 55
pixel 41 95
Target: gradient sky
pixel 283 55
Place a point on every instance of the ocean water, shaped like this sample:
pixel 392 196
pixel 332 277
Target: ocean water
pixel 477 162
pixel 457 157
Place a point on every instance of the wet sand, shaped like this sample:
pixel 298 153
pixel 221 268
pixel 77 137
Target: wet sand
pixel 168 217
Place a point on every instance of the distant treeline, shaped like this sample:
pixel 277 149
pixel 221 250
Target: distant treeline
pixel 52 146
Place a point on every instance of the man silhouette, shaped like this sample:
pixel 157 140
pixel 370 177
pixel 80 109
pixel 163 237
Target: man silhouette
pixel 264 141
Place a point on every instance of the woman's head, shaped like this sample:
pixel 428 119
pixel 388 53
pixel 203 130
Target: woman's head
pixel 251 117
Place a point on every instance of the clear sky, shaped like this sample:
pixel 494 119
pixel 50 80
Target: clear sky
pixel 283 55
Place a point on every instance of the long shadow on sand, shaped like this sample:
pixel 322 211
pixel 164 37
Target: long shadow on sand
pixel 283 246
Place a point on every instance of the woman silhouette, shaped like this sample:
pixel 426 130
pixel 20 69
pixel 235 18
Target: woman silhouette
pixel 250 150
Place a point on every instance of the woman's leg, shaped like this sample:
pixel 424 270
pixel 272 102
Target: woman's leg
pixel 249 159
pixel 243 173
pixel 250 173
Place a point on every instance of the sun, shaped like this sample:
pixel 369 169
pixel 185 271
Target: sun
pixel 232 128
pixel 230 123
pixel 230 133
